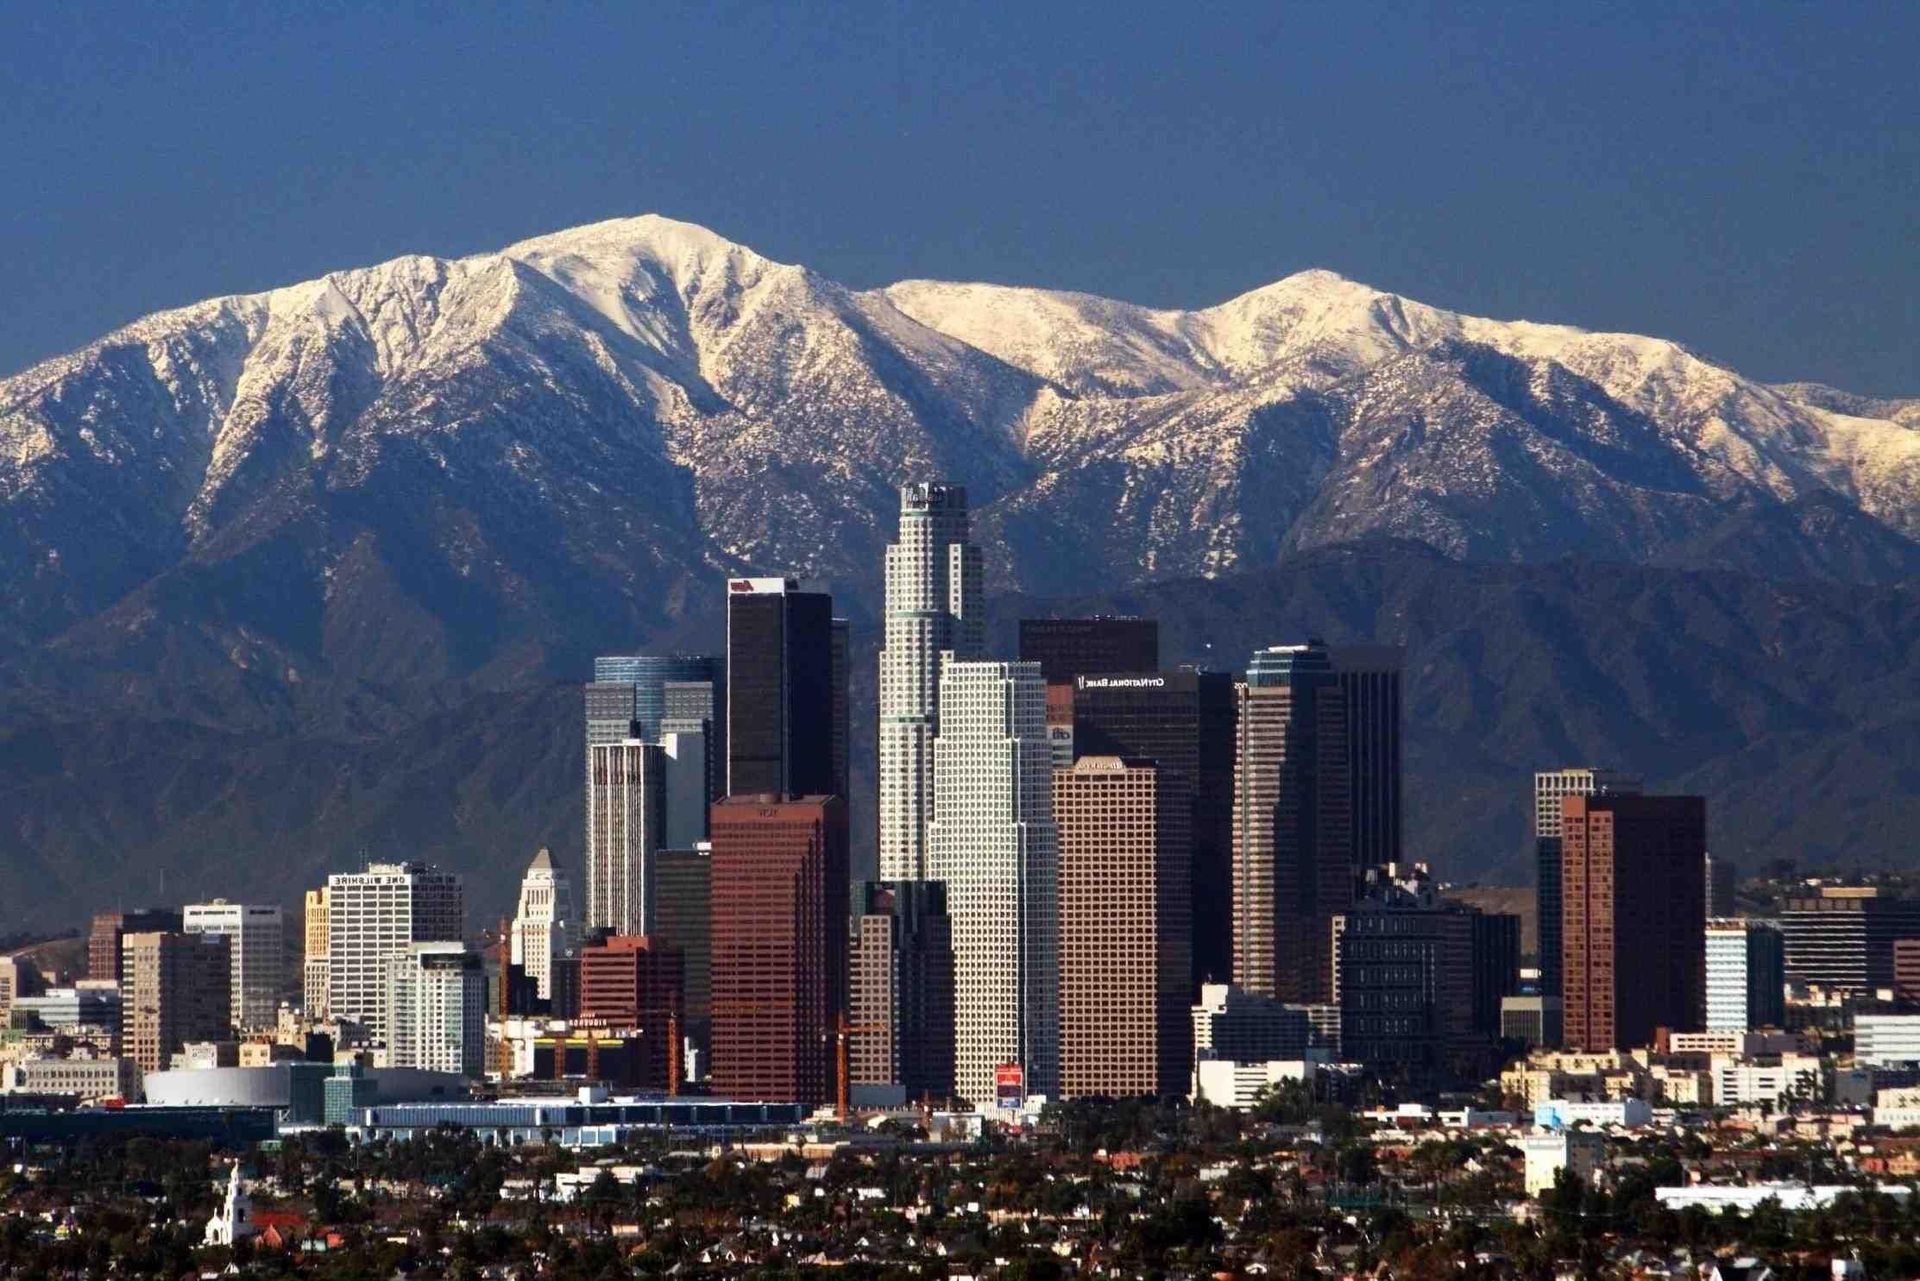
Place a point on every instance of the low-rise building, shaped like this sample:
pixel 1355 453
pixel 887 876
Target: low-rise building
pixel 1746 1196
pixel 1881 1040
pixel 1228 1083
pixel 1795 1077
pixel 1531 1020
pixel 89 1079
pixel 89 1003
pixel 1743 1043
pixel 1560 1114
pixel 1547 1154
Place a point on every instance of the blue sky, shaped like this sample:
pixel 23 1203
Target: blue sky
pixel 1744 178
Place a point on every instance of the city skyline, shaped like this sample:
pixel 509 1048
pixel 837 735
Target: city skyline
pixel 985 641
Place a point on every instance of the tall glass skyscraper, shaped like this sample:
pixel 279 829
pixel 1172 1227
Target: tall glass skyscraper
pixel 785 706
pixel 1293 853
pixel 934 606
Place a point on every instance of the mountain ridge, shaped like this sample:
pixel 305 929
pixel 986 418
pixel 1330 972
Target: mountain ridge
pixel 326 518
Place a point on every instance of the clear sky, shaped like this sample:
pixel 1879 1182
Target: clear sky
pixel 1744 178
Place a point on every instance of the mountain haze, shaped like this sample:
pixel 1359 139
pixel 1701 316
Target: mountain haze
pixel 332 547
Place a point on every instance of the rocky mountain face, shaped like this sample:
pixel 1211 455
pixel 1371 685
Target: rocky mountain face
pixel 361 525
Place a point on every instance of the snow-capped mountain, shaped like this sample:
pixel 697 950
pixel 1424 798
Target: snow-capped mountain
pixel 297 576
pixel 571 431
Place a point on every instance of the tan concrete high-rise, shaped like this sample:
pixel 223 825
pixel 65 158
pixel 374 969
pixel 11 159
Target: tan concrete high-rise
pixel 313 962
pixel 626 821
pixel 992 842
pixel 1125 930
pixel 1550 788
pixel 1632 898
pixel 104 940
pixel 901 994
pixel 174 988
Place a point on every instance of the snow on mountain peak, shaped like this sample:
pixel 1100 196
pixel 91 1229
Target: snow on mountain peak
pixel 1305 410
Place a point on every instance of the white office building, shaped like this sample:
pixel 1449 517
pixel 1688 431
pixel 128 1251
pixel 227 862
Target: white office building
pixel 626 821
pixel 543 922
pixel 372 917
pixel 934 605
pixel 1560 1114
pixel 1886 1040
pixel 437 1009
pixel 1794 1077
pixel 1239 1085
pixel 1746 976
pixel 993 841
pixel 257 942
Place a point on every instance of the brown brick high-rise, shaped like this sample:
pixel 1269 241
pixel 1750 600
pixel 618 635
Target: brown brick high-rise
pixel 1126 1026
pixel 633 981
pixel 1633 898
pixel 173 989
pixel 103 942
pixel 779 939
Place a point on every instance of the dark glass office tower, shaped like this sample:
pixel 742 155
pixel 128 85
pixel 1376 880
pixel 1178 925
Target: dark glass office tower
pixel 839 699
pixel 1293 863
pixel 901 992
pixel 1070 647
pixel 1369 681
pixel 1183 722
pixel 780 690
pixel 1496 968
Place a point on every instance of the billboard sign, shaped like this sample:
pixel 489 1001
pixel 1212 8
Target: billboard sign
pixel 1009 1085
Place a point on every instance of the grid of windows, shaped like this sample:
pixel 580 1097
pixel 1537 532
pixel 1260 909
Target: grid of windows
pixel 933 605
pixel 1293 853
pixel 371 917
pixel 626 818
pixel 257 936
pixel 992 841
pixel 436 1015
pixel 1633 891
pixel 1124 921
pixel 779 940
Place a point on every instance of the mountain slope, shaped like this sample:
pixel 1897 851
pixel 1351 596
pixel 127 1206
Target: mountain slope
pixel 1794 707
pixel 335 538
pixel 580 422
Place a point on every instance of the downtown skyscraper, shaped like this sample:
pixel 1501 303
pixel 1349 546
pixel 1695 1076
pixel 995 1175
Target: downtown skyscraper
pixel 1632 897
pixel 779 945
pixel 1550 790
pixel 1293 851
pixel 1183 722
pixel 786 698
pixel 993 842
pixel 934 605
pixel 626 823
